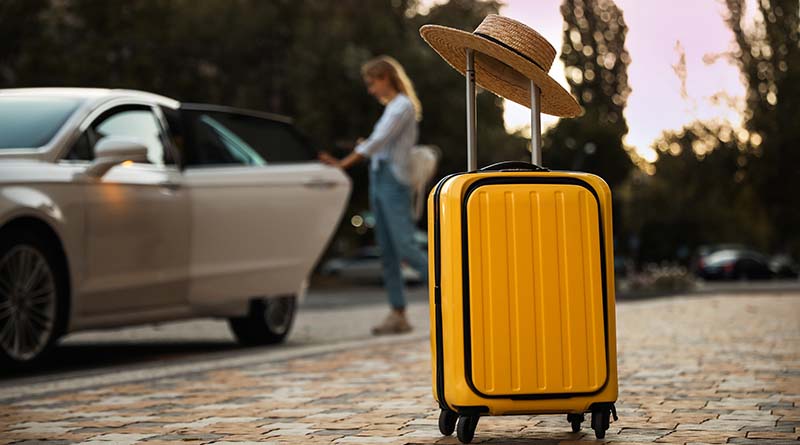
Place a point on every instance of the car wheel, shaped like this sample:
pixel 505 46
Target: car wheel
pixel 268 321
pixel 32 291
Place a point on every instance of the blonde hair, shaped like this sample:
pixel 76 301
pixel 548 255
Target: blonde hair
pixel 386 66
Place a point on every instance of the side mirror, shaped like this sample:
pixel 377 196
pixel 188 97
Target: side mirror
pixel 113 150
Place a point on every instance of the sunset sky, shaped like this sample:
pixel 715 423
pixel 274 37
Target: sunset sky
pixel 654 29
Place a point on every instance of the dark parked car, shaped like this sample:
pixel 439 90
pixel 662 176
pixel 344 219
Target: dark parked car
pixel 783 266
pixel 734 264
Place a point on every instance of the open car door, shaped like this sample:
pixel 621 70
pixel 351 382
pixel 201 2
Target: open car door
pixel 263 207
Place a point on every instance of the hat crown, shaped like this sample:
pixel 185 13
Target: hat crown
pixel 519 38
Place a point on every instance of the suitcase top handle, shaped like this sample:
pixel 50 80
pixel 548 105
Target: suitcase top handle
pixel 511 166
pixel 513 60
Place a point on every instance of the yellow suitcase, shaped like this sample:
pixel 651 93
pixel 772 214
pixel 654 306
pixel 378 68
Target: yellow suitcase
pixel 522 297
pixel 522 287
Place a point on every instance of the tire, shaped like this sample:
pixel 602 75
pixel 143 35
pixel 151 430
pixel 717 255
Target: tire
pixel 268 321
pixel 601 420
pixel 465 429
pixel 33 296
pixel 447 422
pixel 575 421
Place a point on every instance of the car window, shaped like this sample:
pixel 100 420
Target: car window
pixel 210 142
pixel 141 124
pixel 129 121
pixel 277 142
pixel 233 144
pixel 31 122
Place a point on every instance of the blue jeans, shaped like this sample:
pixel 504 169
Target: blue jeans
pixel 394 229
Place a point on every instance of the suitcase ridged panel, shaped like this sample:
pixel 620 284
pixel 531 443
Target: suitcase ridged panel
pixel 535 286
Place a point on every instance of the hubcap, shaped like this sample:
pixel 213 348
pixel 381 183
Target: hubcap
pixel 27 302
pixel 278 313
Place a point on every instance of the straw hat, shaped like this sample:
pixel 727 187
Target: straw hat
pixel 508 55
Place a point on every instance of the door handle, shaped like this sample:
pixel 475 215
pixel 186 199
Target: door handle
pixel 320 184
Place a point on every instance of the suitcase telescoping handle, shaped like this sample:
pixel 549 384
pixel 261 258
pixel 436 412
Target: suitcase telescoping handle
pixel 472 139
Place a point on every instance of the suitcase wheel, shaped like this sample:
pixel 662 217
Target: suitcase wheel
pixel 466 428
pixel 447 421
pixel 575 420
pixel 600 421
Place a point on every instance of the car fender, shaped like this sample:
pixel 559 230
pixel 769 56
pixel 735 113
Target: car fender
pixel 20 201
pixel 29 202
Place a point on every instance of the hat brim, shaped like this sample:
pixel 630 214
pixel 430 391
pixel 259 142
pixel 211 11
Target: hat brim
pixel 500 70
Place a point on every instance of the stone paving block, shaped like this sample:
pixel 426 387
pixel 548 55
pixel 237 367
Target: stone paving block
pixel 119 438
pixel 38 442
pixel 701 436
pixel 164 442
pixel 187 436
pixel 744 441
pixel 682 418
pixel 242 442
pixel 777 429
pixel 72 437
pixel 666 424
pixel 758 416
pixel 615 442
pixel 35 428
pixel 369 440
pixel 773 435
pixel 95 430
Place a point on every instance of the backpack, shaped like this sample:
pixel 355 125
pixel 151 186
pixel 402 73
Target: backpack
pixel 423 162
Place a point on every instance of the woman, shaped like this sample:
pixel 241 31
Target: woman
pixel 388 149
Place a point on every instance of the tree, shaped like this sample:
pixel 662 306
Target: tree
pixel 301 59
pixel 699 194
pixel 443 97
pixel 596 62
pixel 768 54
pixel 714 183
pixel 18 32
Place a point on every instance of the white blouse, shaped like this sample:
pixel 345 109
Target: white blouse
pixel 393 136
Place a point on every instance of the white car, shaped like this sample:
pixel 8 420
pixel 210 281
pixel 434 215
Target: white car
pixel 122 207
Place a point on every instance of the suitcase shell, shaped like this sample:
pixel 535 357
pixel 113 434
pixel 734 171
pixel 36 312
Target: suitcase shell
pixel 522 293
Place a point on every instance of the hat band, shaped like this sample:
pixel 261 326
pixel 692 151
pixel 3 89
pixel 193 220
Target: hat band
pixel 510 48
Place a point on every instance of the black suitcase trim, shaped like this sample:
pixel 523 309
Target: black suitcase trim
pixel 465 277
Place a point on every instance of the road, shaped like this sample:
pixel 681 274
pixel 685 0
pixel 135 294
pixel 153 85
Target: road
pixel 326 316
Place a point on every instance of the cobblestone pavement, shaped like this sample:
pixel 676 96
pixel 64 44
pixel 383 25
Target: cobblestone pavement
pixel 713 369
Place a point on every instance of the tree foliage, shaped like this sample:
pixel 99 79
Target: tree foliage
pixel 714 183
pixel 699 195
pixel 768 54
pixel 596 63
pixel 300 58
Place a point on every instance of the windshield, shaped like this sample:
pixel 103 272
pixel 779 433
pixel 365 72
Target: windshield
pixel 30 122
pixel 721 257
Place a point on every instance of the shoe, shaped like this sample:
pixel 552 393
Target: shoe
pixel 394 323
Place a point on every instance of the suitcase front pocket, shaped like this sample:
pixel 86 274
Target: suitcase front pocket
pixel 535 288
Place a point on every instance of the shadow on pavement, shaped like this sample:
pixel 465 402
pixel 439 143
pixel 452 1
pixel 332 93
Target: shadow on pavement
pixel 99 355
